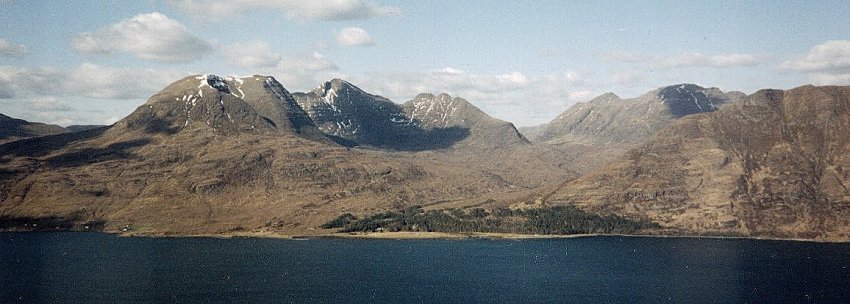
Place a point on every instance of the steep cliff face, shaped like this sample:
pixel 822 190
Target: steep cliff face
pixel 771 165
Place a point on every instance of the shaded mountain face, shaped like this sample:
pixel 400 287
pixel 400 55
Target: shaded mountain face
pixel 426 123
pixel 774 164
pixel 78 128
pixel 12 129
pixel 443 111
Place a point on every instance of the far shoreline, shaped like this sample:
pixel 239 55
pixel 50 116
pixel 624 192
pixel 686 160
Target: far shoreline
pixel 421 235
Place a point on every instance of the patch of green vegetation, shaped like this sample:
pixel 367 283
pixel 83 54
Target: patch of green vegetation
pixel 552 220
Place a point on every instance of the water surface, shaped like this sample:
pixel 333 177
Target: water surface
pixel 101 268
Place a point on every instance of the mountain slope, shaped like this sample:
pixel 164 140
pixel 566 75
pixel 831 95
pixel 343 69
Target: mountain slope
pixel 444 112
pixel 427 122
pixel 216 155
pixel 341 109
pixel 771 165
pixel 12 129
pixel 605 127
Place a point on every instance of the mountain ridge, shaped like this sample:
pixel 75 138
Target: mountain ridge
pixel 221 155
pixel 12 129
pixel 770 165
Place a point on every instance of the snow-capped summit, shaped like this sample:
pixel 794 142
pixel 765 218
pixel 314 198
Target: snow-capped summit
pixel 224 104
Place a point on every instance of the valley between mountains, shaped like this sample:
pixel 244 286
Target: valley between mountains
pixel 212 155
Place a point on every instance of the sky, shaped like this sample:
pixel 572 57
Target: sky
pixel 94 62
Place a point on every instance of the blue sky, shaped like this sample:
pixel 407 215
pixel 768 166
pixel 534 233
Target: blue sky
pixel 80 62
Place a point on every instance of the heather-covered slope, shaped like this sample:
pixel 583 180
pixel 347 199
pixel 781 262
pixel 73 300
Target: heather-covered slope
pixel 12 129
pixel 773 165
pixel 595 132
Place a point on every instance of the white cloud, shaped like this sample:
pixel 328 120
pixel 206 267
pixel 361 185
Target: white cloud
pixel 254 54
pixel 826 63
pixel 718 61
pixel 85 80
pixel 513 96
pixel 47 104
pixel 830 79
pixel 690 59
pixel 626 78
pixel 630 57
pixel 9 49
pixel 153 37
pixel 833 55
pixel 297 10
pixel 302 71
pixel 354 36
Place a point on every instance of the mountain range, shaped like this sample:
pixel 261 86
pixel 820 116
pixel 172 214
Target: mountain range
pixel 223 155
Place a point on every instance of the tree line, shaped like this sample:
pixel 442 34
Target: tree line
pixel 551 220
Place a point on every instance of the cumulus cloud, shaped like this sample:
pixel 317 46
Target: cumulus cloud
pixel 85 80
pixel 354 36
pixel 254 54
pixel 302 71
pixel 9 49
pixel 297 10
pixel 830 56
pixel 513 96
pixel 153 37
pixel 826 63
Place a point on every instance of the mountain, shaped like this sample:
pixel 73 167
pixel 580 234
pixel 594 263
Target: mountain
pixel 227 105
pixel 772 165
pixel 427 122
pixel 78 128
pixel 443 111
pixel 211 155
pixel 596 131
pixel 12 129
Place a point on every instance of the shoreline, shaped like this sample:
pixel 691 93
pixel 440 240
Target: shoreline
pixel 411 235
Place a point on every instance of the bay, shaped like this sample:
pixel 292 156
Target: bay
pixel 70 267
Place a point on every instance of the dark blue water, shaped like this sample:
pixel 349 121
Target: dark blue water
pixel 100 268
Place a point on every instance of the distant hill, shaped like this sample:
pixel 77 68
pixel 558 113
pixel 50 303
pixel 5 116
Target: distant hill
pixel 225 155
pixel 12 129
pixel 427 122
pixel 210 154
pixel 596 131
pixel 444 112
pixel 774 164
pixel 78 128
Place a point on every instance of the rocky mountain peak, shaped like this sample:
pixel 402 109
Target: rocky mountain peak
pixel 225 104
pixel 686 99
pixel 607 97
pixel 217 83
pixel 333 87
